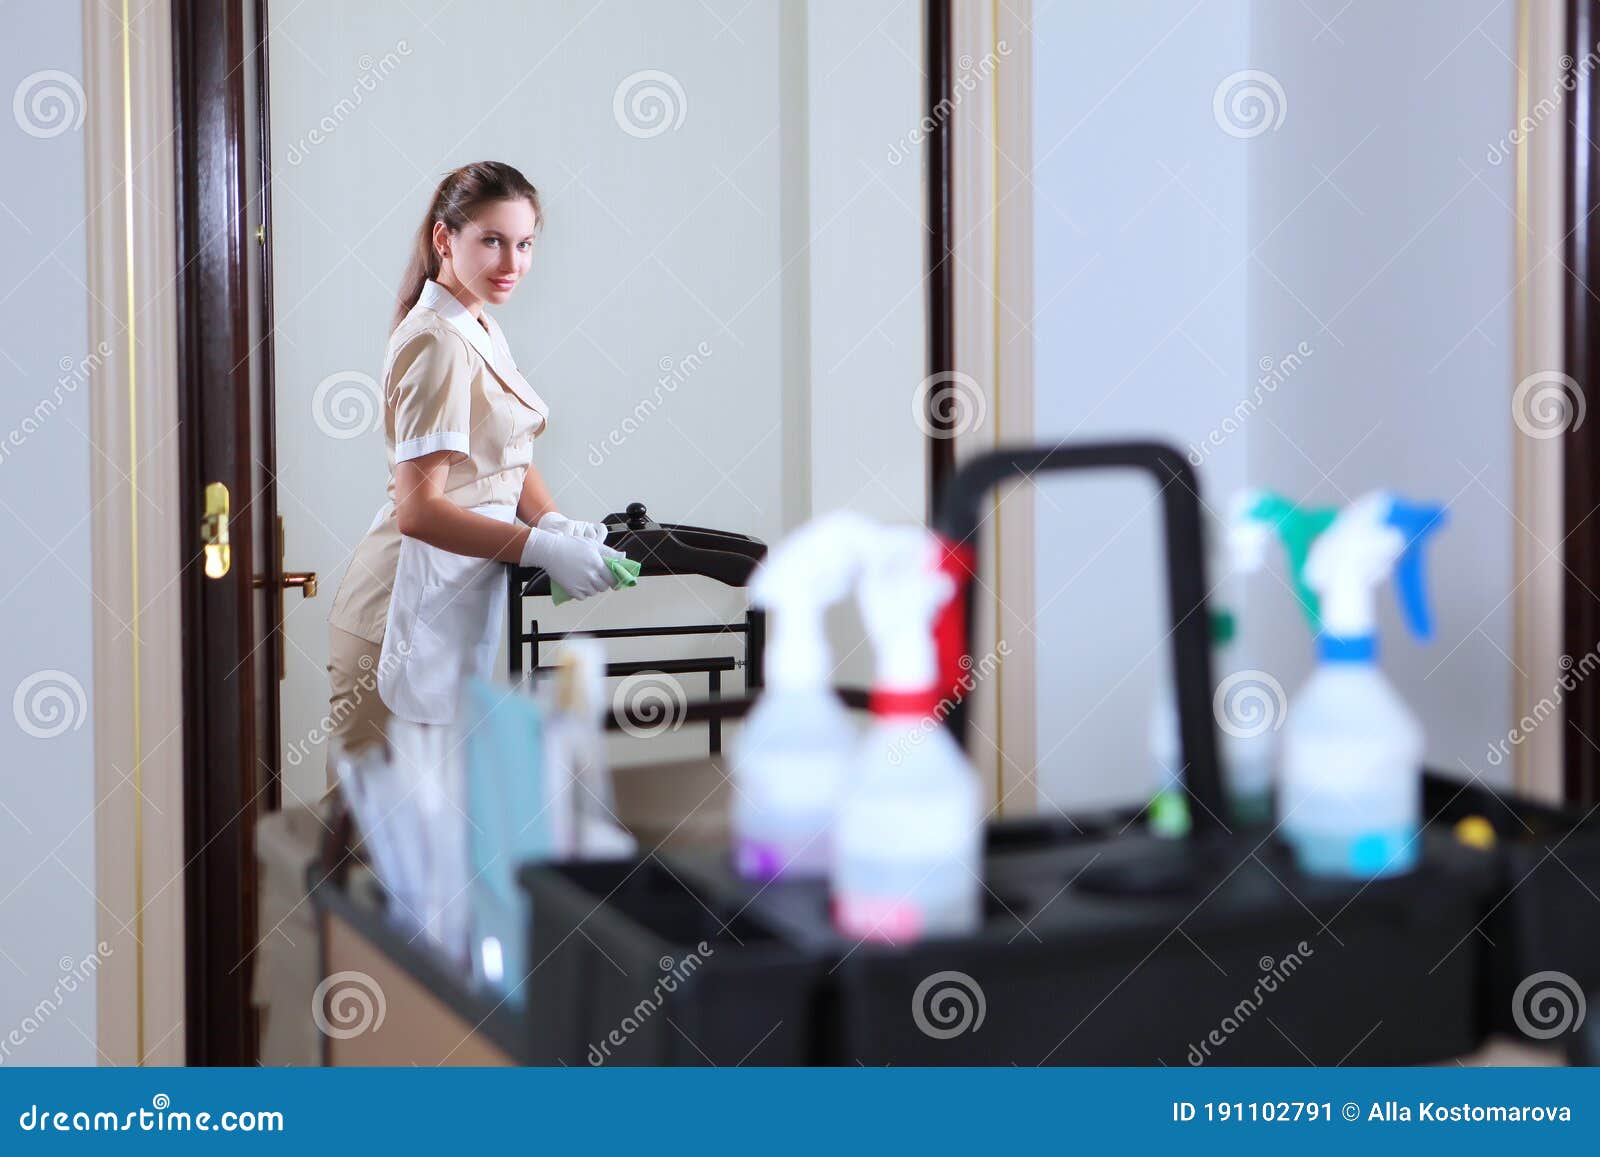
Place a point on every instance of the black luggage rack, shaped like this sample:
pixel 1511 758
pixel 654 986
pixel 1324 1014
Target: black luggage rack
pixel 660 549
pixel 1100 943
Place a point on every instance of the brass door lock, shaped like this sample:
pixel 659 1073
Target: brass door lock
pixel 214 531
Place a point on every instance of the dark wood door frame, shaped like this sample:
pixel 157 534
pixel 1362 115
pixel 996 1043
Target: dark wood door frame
pixel 941 292
pixel 268 539
pixel 225 788
pixel 1581 448
pixel 221 781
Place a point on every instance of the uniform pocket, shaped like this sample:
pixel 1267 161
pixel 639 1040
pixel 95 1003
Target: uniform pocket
pixel 450 621
pixel 451 614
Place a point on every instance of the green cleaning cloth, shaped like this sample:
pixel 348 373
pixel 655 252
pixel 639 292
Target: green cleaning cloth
pixel 625 570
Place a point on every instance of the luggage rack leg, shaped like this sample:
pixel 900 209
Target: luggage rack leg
pixel 714 680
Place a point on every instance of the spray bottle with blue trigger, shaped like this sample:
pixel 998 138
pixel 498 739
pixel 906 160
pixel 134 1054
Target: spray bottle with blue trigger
pixel 1351 798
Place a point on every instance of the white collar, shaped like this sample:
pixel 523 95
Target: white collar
pixel 448 306
pixel 493 349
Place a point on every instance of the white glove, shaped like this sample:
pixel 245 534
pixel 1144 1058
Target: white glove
pixel 578 564
pixel 558 523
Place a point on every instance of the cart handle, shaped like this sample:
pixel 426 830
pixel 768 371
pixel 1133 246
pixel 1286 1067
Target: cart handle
pixel 960 516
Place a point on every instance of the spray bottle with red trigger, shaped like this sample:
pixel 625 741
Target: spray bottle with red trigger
pixel 907 856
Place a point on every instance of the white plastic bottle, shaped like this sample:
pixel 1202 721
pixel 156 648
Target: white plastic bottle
pixel 1352 791
pixel 1248 753
pixel 798 743
pixel 792 757
pixel 1350 803
pixel 908 846
pixel 1247 746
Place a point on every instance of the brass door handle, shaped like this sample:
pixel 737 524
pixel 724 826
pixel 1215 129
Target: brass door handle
pixel 306 580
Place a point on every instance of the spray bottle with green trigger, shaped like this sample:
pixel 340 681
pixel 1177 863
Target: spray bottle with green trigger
pixel 1248 747
pixel 1298 528
pixel 1351 798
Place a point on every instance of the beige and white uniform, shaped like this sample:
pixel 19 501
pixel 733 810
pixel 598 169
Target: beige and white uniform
pixel 409 620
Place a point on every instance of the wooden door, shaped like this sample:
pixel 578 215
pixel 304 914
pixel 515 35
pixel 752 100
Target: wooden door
pixel 233 575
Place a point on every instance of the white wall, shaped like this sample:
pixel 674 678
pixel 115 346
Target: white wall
pixel 866 257
pixel 1175 258
pixel 47 876
pixel 767 228
pixel 1140 223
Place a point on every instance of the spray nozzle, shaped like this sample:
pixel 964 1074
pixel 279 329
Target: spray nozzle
pixel 817 564
pixel 801 577
pixel 1240 549
pixel 1417 522
pixel 1376 535
pixel 1245 544
pixel 1298 527
pixel 902 593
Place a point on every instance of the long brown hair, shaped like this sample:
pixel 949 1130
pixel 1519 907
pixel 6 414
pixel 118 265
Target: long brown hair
pixel 455 202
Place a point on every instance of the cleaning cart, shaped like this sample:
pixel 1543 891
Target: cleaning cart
pixel 1100 943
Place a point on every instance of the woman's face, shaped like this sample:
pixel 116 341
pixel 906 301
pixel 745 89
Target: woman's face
pixel 491 253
